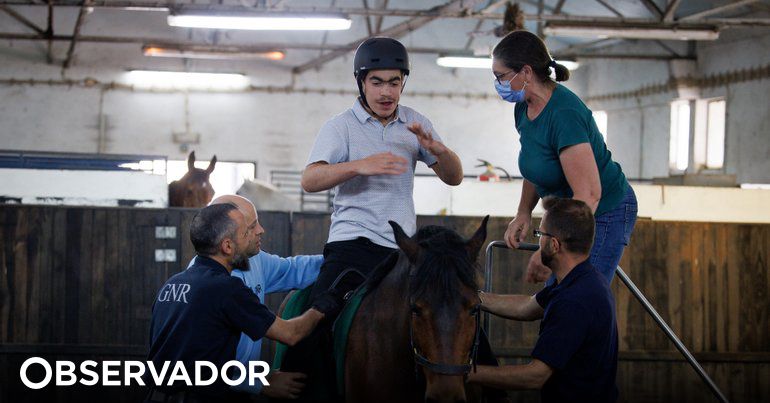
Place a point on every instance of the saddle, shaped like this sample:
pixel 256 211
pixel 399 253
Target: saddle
pixel 298 303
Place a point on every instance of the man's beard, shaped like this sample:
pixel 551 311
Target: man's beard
pixel 546 257
pixel 241 262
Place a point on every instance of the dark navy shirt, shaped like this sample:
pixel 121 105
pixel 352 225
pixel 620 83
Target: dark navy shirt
pixel 199 315
pixel 579 338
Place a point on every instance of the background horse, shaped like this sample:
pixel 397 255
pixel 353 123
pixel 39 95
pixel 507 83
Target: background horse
pixel 416 331
pixel 193 189
pixel 267 197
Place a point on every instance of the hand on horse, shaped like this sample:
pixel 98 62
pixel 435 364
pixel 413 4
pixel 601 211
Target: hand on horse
pixel 537 272
pixel 284 385
pixel 426 139
pixel 329 303
pixel 517 230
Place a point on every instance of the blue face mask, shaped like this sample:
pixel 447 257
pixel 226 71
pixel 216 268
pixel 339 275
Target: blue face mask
pixel 508 94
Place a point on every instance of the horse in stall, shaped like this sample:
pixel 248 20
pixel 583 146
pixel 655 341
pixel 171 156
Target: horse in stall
pixel 193 189
pixel 416 332
pixel 267 197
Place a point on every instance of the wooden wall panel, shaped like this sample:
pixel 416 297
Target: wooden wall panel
pixel 80 282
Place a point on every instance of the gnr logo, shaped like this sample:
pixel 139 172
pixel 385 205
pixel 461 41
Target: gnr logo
pixel 174 293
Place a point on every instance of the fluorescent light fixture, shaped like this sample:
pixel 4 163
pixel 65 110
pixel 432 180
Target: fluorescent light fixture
pixel 277 22
pixel 139 8
pixel 211 52
pixel 684 34
pixel 182 80
pixel 756 186
pixel 465 62
pixel 471 62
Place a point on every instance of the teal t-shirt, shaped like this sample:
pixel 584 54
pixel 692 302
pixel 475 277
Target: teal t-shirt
pixel 565 121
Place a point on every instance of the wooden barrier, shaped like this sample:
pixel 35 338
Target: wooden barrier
pixel 78 283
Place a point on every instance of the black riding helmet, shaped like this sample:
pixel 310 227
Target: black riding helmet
pixel 378 53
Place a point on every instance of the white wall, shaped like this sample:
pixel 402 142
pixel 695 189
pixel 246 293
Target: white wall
pixel 276 130
pixel 666 203
pixel 639 126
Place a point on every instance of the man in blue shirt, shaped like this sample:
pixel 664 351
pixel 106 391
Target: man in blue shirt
pixel 268 274
pixel 200 313
pixel 576 355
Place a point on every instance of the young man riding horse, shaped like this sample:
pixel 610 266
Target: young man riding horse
pixel 369 152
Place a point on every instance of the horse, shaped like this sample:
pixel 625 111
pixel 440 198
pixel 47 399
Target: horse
pixel 267 197
pixel 193 189
pixel 416 332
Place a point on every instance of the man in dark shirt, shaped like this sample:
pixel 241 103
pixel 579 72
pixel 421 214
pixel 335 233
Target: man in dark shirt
pixel 200 313
pixel 576 355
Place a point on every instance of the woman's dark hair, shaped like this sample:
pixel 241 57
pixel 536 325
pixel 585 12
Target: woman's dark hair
pixel 520 48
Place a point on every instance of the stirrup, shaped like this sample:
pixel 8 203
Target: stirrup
pixel 342 275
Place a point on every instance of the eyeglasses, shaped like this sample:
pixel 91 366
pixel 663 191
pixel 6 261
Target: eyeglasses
pixel 537 233
pixel 499 77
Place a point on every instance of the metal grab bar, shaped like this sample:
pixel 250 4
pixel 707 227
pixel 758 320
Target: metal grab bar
pixel 634 290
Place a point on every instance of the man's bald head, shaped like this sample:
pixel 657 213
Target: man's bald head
pixel 243 204
pixel 246 207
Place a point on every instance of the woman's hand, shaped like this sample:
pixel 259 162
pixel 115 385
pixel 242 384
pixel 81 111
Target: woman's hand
pixel 517 230
pixel 536 271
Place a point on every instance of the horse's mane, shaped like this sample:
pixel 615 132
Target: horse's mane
pixel 444 259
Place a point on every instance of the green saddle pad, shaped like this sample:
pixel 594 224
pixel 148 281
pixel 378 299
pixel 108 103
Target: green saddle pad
pixel 297 304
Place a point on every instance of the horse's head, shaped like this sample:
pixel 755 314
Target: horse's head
pixel 194 188
pixel 444 327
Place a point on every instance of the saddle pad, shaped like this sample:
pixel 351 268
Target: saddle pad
pixel 341 330
pixel 295 306
pixel 298 303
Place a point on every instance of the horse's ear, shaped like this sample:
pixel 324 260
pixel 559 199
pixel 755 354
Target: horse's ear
pixel 406 244
pixel 473 246
pixel 191 161
pixel 213 162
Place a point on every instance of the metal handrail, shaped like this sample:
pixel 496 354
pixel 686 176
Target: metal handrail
pixel 634 290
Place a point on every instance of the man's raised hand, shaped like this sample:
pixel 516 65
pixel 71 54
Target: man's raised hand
pixel 382 164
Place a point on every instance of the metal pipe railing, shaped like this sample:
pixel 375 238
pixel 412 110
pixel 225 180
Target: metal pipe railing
pixel 635 291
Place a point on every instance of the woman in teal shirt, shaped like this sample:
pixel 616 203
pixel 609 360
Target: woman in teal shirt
pixel 562 154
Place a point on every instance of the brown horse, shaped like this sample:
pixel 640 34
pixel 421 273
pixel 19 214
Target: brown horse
pixel 193 189
pixel 415 335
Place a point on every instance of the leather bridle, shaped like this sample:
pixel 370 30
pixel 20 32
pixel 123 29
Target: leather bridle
pixel 449 369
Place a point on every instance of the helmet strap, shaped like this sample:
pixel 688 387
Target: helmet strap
pixel 360 83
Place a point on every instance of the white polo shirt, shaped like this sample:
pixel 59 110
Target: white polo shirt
pixel 363 205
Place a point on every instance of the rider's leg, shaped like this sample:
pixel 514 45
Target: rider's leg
pixel 360 254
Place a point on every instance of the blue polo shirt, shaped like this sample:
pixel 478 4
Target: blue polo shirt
pixel 579 338
pixel 199 315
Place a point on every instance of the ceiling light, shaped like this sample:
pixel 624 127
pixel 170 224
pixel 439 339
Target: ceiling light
pixel 465 62
pixel 182 80
pixel 484 62
pixel 211 52
pixel 685 34
pixel 280 22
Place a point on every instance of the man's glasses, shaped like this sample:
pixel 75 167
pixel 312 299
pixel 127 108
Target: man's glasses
pixel 537 233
